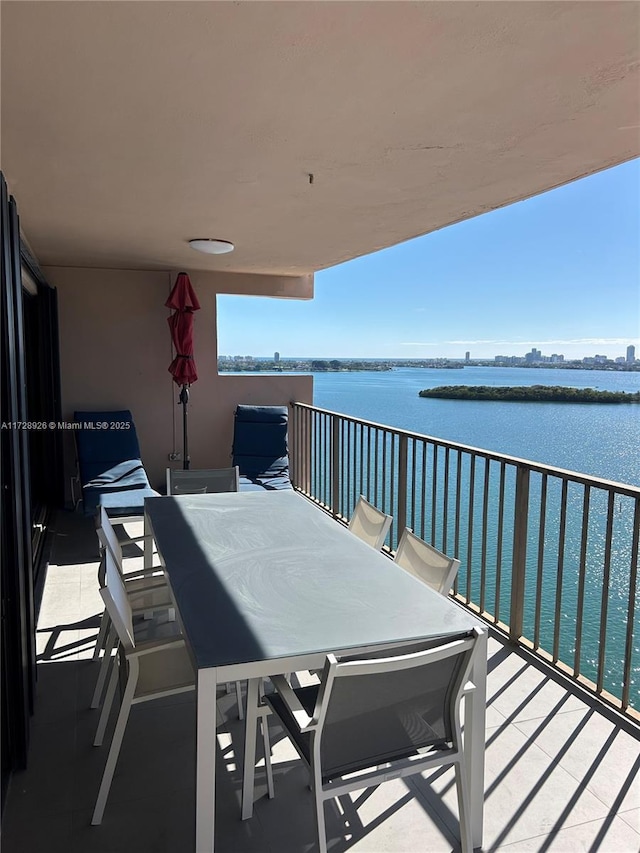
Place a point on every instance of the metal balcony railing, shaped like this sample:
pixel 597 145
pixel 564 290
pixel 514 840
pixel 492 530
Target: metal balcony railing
pixel 548 556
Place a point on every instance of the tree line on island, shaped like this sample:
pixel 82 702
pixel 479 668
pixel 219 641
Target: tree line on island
pixel 249 364
pixel 529 393
pixel 260 364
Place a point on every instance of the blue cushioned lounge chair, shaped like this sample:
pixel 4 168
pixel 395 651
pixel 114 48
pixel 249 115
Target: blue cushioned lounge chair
pixel 260 447
pixel 111 472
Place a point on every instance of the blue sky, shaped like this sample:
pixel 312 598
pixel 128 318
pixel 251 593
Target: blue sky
pixel 560 271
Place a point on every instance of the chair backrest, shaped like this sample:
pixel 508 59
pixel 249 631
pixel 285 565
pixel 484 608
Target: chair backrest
pixel 369 523
pixel 372 711
pixel 107 536
pixel 424 561
pixel 207 480
pixel 116 601
pixel 99 448
pixel 260 444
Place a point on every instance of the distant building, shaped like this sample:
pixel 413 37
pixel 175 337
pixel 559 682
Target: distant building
pixel 631 354
pixel 276 357
pixel 534 356
pixel 621 360
pixel 467 356
pixel 509 359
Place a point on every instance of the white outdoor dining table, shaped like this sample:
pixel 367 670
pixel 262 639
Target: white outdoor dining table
pixel 265 583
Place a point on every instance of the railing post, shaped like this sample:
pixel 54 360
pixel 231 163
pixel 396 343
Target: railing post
pixel 335 466
pixel 520 526
pixel 293 443
pixel 305 445
pixel 401 518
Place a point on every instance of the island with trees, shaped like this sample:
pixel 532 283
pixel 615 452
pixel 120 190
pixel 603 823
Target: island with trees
pixel 529 394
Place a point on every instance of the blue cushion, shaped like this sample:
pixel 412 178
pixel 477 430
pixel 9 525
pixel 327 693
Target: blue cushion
pixel 100 449
pixel 264 484
pixel 259 466
pixel 271 483
pixel 260 446
pixel 129 502
pixel 247 485
pixel 260 439
pixel 129 474
pixel 262 414
pixel 111 472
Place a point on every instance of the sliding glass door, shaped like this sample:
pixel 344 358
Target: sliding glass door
pixel 30 475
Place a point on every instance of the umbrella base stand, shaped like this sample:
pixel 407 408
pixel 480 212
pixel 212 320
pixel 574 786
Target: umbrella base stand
pixel 184 401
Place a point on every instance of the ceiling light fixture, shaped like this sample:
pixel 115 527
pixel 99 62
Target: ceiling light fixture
pixel 212 247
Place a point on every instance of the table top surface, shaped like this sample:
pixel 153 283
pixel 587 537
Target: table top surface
pixel 259 576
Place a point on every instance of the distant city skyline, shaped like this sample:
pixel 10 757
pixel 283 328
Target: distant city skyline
pixel 278 357
pixel 559 272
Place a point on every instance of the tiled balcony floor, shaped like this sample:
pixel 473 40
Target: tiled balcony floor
pixel 560 776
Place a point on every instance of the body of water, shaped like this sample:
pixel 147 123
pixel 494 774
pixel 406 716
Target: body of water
pixel 598 439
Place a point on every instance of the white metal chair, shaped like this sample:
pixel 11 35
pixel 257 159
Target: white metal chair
pixel 375 719
pixel 147 591
pixel 154 669
pixel 369 523
pixel 205 480
pixel 108 538
pixel 425 562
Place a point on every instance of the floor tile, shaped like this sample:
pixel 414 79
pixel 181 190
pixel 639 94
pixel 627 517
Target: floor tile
pixel 50 833
pixel 632 817
pixel 594 751
pixel 605 836
pixel 46 786
pixel 526 794
pixel 56 695
pixel 60 604
pixel 157 755
pixel 520 691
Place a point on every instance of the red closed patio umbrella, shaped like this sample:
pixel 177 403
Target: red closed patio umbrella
pixel 184 303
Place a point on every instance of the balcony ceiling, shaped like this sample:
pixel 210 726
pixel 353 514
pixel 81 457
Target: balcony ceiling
pixel 130 127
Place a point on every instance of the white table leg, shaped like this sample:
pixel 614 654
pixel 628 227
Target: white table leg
pixel 475 705
pixel 206 760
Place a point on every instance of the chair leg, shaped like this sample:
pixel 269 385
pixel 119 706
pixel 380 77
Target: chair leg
pixel 249 769
pixel 264 725
pixel 265 713
pixel 107 704
pixel 102 635
pixel 318 806
pixel 464 809
pixel 239 700
pixel 114 750
pixel 104 667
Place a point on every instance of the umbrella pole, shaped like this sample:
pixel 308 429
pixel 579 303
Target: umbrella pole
pixel 184 399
